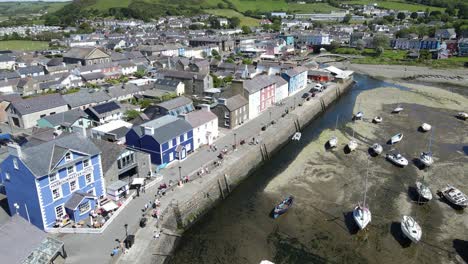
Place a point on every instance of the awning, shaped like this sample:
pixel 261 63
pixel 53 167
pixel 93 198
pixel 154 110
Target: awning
pixel 109 206
pixel 138 181
pixel 115 186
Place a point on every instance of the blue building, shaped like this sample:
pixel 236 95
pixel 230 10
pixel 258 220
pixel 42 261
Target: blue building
pixel 430 44
pixel 296 78
pixel 166 139
pixel 52 182
pixel 289 39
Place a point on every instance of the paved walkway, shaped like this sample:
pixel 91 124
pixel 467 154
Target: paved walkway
pixel 92 248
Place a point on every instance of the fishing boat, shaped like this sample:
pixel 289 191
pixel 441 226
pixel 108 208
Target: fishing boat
pixel 361 213
pixel 283 207
pixel 377 148
pixel 377 119
pixel 396 138
pixel 397 109
pixel 297 136
pixel 425 127
pixel 455 196
pixel 426 157
pixel 397 159
pixel 411 229
pixel 423 191
pixel 333 141
pixel 462 115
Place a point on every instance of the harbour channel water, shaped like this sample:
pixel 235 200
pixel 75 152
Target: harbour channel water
pixel 239 229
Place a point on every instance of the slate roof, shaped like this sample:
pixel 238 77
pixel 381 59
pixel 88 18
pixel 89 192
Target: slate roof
pixel 183 75
pixel 93 76
pixel 295 71
pixel 260 82
pixel 165 128
pixel 79 52
pixel 200 117
pixel 8 75
pixel 101 110
pixel 75 200
pixel 84 97
pixel 110 153
pixel 235 102
pixel 166 83
pixel 119 132
pixel 175 103
pixel 52 151
pixel 6 58
pixel 36 104
pixel 122 90
pixel 65 118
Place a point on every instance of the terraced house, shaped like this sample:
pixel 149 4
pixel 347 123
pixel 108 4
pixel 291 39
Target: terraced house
pixel 61 186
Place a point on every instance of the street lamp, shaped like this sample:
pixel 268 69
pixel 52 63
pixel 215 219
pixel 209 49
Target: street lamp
pixel 180 173
pixel 235 141
pixel 126 230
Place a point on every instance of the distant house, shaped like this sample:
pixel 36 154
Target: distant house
pixel 296 78
pixel 231 111
pixel 195 83
pixel 106 112
pixel 123 92
pixel 205 126
pixel 25 113
pixel 5 101
pixel 319 75
pixel 70 121
pixel 128 67
pixel 463 47
pixel 7 62
pixel 31 71
pixel 166 139
pixel 176 106
pixel 430 44
pixel 86 56
pixel 86 98
pixel 173 86
pixel 113 131
pixel 445 34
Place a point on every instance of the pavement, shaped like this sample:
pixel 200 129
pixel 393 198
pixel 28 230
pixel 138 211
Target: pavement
pixel 96 248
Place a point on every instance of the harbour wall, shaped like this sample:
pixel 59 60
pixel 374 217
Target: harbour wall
pixel 204 193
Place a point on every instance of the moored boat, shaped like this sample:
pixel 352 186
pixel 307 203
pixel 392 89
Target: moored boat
pixel 352 145
pixel 362 216
pixel 297 136
pixel 283 207
pixel 377 119
pixel 425 127
pixel 455 196
pixel 266 262
pixel 411 229
pixel 333 142
pixel 426 158
pixel 397 159
pixel 359 115
pixel 396 138
pixel 462 115
pixel 377 148
pixel 397 109
pixel 423 191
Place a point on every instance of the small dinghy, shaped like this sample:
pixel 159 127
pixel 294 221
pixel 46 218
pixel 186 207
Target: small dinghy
pixel 352 145
pixel 377 148
pixel 426 158
pixel 297 136
pixel 425 127
pixel 462 115
pixel 283 207
pixel 397 110
pixel 396 138
pixel 423 191
pixel 411 229
pixel 397 159
pixel 362 216
pixel 359 115
pixel 455 196
pixel 333 142
pixel 377 119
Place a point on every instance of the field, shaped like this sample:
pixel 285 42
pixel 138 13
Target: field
pixel 247 21
pixel 106 4
pixel 396 5
pixel 28 8
pixel 23 45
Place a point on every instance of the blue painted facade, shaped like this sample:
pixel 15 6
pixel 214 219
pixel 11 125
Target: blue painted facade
pixel 296 81
pixel 289 39
pixel 429 44
pixel 34 193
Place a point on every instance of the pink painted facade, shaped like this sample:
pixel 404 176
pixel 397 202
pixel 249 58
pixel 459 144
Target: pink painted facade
pixel 267 96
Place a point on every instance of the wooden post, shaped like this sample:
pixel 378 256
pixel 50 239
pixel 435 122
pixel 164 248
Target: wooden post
pixel 227 184
pixel 221 189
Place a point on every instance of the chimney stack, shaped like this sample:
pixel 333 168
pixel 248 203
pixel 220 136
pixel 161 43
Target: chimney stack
pixel 14 149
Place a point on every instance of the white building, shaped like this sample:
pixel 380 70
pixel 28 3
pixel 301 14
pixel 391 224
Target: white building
pixel 205 126
pixel 7 62
pixel 113 131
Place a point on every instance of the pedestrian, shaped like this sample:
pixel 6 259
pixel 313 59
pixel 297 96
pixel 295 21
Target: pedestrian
pixel 115 251
pixel 256 141
pixel 122 247
pixel 157 213
pixel 155 234
pixel 253 140
pixel 146 206
pixel 143 189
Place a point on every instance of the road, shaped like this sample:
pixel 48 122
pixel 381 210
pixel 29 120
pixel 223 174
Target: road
pixel 92 248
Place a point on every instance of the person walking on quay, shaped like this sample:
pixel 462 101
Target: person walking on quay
pixel 143 189
pixel 122 247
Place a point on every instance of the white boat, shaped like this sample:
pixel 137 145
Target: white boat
pixel 333 142
pixel 297 136
pixel 266 262
pixel 425 127
pixel 361 213
pixel 426 158
pixel 462 115
pixel 377 119
pixel 423 191
pixel 352 145
pixel 377 148
pixel 455 196
pixel 397 109
pixel 359 115
pixel 411 229
pixel 396 138
pixel 397 159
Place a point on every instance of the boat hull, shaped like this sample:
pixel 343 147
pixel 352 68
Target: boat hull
pixel 423 191
pixel 396 138
pixel 283 207
pixel 455 196
pixel 362 216
pixel 411 229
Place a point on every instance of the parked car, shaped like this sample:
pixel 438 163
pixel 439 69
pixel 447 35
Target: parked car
pixel 306 95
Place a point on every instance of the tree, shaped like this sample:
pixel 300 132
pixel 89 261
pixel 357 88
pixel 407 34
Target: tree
pixel 247 61
pixel 380 42
pixel 347 18
pixel 139 73
pixel 360 44
pixel 144 103
pixel 131 114
pixel 334 45
pixel 52 20
pixel 221 6
pixel 379 51
pixel 414 15
pixel 425 55
pixel 450 11
pixel 401 16
pixel 246 30
pixel 234 22
pixel 463 11
pixel 214 53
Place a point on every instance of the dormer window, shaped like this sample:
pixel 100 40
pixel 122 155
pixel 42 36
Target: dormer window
pixel 68 156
